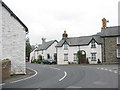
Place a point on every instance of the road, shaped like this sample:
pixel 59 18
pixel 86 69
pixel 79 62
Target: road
pixel 75 76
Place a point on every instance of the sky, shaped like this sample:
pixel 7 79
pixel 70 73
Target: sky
pixel 49 18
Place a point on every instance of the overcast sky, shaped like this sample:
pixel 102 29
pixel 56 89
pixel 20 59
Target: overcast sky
pixel 49 18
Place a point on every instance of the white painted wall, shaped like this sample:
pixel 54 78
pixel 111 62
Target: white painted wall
pixel 0 30
pixel 51 50
pixel 0 44
pixel 73 49
pixel 32 55
pixel 13 42
pixel 90 50
pixel 70 52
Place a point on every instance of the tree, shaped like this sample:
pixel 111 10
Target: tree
pixel 87 61
pixel 28 49
pixel 79 56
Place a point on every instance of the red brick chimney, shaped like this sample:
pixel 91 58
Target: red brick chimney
pixel 43 40
pixel 104 23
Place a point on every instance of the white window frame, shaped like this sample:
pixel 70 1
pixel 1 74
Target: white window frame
pixel 66 57
pixel 118 40
pixel 93 58
pixel 118 54
pixel 75 56
pixel 93 44
pixel 65 46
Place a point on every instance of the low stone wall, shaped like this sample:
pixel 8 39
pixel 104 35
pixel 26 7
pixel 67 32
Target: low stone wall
pixel 6 69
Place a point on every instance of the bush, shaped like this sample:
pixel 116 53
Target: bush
pixel 87 61
pixel 68 62
pixel 72 63
pixel 39 62
pixel 34 61
pixel 79 56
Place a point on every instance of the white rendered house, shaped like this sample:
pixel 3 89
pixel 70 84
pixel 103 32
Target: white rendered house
pixel 90 46
pixel 12 40
pixel 47 50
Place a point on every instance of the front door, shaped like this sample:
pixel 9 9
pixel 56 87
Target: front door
pixel 83 61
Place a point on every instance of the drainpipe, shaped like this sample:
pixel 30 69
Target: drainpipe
pixel 79 48
pixel 104 51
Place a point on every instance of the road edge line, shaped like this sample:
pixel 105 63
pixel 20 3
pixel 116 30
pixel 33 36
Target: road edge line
pixel 27 77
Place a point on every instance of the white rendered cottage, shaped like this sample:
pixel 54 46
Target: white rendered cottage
pixel 47 50
pixel 12 39
pixel 68 47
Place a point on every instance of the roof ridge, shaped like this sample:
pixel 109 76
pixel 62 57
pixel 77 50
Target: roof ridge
pixel 82 36
pixel 15 16
pixel 113 26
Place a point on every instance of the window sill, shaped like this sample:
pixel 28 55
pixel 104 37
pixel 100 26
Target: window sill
pixel 65 60
pixel 93 47
pixel 75 60
pixel 93 60
pixel 118 56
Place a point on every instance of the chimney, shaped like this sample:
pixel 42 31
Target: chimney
pixel 36 46
pixel 104 23
pixel 43 40
pixel 65 35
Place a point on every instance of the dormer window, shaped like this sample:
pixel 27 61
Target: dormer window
pixel 65 46
pixel 93 44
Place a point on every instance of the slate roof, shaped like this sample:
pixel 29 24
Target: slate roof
pixel 12 14
pixel 85 40
pixel 110 31
pixel 79 41
pixel 46 45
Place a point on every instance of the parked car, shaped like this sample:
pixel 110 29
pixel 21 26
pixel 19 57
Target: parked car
pixel 49 61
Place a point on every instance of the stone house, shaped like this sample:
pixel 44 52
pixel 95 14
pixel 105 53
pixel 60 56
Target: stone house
pixel 68 47
pixel 12 39
pixel 47 50
pixel 110 37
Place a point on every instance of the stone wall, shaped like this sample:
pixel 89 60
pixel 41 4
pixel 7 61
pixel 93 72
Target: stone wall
pixel 6 69
pixel 109 49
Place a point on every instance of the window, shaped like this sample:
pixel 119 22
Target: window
pixel 65 46
pixel 118 40
pixel 93 56
pixel 93 45
pixel 118 53
pixel 65 57
pixel 75 56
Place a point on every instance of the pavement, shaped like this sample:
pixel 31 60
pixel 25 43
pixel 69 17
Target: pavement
pixel 13 78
